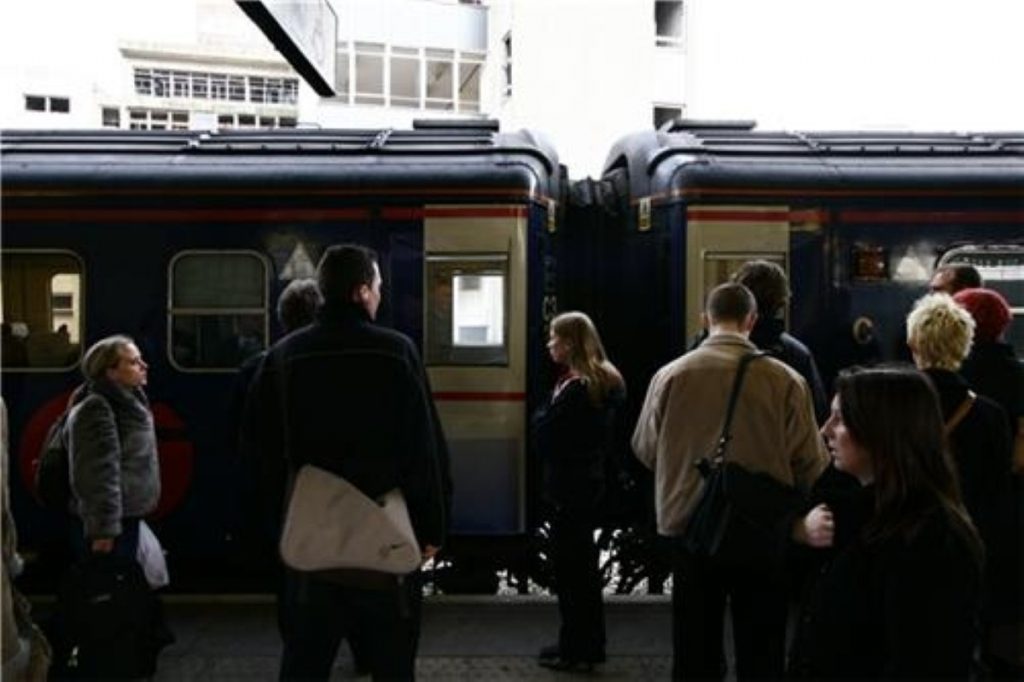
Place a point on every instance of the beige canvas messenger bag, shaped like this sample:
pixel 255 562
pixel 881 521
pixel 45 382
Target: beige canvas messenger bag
pixel 330 524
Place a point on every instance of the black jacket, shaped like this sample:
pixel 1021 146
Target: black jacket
pixel 904 608
pixel 993 370
pixel 982 454
pixel 573 437
pixel 356 402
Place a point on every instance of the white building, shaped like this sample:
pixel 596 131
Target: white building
pixel 583 72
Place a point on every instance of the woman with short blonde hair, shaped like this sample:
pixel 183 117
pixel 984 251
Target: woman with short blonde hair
pixel 939 332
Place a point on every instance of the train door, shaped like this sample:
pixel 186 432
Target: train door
pixel 721 238
pixel 474 346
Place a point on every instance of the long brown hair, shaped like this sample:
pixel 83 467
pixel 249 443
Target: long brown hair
pixel 894 414
pixel 586 354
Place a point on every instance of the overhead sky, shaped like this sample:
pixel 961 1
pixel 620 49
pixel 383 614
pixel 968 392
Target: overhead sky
pixel 900 64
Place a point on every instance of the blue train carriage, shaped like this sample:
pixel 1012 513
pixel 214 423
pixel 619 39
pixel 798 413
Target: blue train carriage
pixel 859 221
pixel 184 240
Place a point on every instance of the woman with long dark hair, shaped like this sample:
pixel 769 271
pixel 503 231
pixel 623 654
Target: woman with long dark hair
pixel 898 597
pixel 573 432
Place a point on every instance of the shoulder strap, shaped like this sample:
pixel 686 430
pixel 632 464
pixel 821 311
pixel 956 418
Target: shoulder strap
pixel 961 412
pixel 734 395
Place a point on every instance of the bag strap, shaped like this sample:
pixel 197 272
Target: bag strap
pixel 961 412
pixel 741 370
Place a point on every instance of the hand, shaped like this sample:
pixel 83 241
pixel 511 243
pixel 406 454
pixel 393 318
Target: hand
pixel 102 545
pixel 429 551
pixel 817 529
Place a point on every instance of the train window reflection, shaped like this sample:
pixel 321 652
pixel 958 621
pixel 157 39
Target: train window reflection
pixel 467 310
pixel 218 309
pixel 41 296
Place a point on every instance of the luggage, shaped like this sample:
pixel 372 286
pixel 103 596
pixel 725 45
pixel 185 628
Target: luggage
pixel 108 623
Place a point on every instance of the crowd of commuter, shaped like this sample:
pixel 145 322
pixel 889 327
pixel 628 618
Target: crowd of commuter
pixel 902 558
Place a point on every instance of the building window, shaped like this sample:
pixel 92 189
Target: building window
pixel 200 85
pixel 42 310
pixel 180 84
pixel 218 309
pixel 405 77
pixel 664 113
pixel 440 79
pixel 56 105
pixel 506 68
pixel 668 23
pixel 369 73
pixel 342 78
pixel 470 67
pixel 222 86
pixel 157 119
pixel 111 117
pixel 229 121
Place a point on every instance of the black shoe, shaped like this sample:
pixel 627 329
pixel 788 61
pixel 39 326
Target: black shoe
pixel 567 665
pixel 550 652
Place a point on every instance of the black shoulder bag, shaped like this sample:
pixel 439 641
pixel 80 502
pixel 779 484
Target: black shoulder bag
pixel 741 517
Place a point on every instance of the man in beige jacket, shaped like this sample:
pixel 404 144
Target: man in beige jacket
pixel 773 432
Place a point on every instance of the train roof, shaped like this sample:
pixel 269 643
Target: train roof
pixel 691 154
pixel 432 153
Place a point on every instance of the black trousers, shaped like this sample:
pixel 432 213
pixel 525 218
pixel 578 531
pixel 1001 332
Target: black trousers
pixel 759 608
pixel 316 615
pixel 578 585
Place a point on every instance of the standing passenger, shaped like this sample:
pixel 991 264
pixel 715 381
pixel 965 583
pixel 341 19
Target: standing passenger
pixel 774 433
pixel 770 286
pixel 573 434
pixel 351 397
pixel 898 598
pixel 939 333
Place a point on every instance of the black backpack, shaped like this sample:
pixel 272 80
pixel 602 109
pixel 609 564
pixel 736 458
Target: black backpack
pixel 53 467
pixel 108 623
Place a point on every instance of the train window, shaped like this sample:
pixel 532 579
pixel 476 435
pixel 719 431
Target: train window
pixel 1001 268
pixel 218 309
pixel 467 316
pixel 41 306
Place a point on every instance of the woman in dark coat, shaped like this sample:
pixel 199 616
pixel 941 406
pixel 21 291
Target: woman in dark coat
pixel 572 433
pixel 940 334
pixel 897 598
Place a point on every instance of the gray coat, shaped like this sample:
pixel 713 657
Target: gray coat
pixel 114 468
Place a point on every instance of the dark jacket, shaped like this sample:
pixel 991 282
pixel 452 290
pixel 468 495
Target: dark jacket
pixel 115 472
pixel 993 370
pixel 573 437
pixel 903 608
pixel 981 452
pixel 357 403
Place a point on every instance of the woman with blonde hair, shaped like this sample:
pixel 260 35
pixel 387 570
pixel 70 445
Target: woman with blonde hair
pixel 940 334
pixel 573 434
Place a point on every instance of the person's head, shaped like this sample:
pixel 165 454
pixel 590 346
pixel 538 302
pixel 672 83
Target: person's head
pixel 573 342
pixel 939 332
pixel 731 307
pixel 767 282
pixel 886 428
pixel 349 274
pixel 990 311
pixel 116 359
pixel 296 307
pixel 950 279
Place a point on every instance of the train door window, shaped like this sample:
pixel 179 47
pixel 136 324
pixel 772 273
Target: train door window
pixel 1001 268
pixel 41 302
pixel 218 309
pixel 468 311
pixel 719 267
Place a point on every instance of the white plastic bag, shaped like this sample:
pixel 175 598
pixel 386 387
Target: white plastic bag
pixel 150 556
